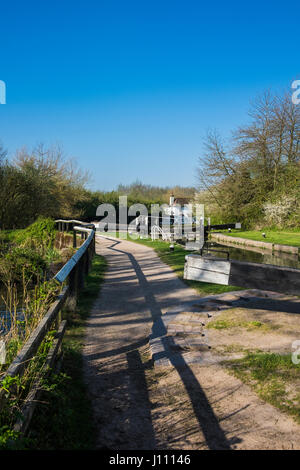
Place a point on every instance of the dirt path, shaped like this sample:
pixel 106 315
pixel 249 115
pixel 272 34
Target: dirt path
pixel 180 406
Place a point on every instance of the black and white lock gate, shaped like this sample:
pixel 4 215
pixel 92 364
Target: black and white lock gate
pixel 242 274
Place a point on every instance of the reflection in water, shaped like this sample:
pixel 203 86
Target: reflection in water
pixel 12 312
pixel 7 319
pixel 258 256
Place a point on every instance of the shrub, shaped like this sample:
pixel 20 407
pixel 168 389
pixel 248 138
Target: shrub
pixel 39 235
pixel 279 212
pixel 21 263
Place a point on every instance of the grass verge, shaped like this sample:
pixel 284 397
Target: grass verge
pixel 63 420
pixel 227 323
pixel 240 318
pixel 274 377
pixel 272 236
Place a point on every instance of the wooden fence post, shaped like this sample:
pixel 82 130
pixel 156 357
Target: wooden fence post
pixel 87 261
pixel 73 289
pixel 81 273
pixel 74 239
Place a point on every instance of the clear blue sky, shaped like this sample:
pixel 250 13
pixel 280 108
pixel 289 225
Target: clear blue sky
pixel 129 88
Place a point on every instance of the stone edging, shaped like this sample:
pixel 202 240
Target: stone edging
pixel 265 245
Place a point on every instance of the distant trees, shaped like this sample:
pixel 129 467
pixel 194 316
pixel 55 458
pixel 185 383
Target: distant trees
pixel 10 185
pixel 146 193
pixel 39 183
pixel 44 183
pixel 260 167
pixel 136 192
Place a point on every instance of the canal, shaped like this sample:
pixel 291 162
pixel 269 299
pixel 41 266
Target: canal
pixel 9 316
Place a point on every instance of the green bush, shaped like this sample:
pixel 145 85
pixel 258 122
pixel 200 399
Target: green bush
pixel 39 235
pixel 21 263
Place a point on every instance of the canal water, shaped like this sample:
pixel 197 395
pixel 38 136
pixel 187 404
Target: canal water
pixel 7 318
pixel 256 255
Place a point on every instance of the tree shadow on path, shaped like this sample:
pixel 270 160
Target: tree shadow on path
pixel 208 422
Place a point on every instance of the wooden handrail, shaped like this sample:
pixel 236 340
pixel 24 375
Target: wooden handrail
pixel 62 275
pixel 34 341
pixel 61 222
pixel 73 221
pixel 73 271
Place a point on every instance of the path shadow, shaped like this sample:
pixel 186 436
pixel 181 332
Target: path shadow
pixel 137 376
pixel 273 305
pixel 119 350
pixel 208 422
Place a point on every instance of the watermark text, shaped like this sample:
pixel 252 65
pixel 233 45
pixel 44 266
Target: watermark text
pixel 2 92
pixel 296 93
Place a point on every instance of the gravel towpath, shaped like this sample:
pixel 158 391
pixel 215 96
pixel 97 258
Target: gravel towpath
pixel 176 406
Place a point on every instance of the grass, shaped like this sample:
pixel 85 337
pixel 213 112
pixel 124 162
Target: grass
pixel 8 235
pixel 229 323
pixel 236 318
pixel 175 259
pixel 274 377
pixel 64 419
pixel 272 236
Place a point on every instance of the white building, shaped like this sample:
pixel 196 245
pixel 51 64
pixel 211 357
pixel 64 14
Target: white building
pixel 181 209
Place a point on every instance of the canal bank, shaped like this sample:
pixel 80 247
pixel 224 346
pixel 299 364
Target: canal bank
pixel 253 254
pixel 245 242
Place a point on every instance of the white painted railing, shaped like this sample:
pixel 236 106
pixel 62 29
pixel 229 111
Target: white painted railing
pixel 156 231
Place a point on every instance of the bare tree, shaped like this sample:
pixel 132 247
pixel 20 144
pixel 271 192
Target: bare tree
pixel 264 160
pixel 214 166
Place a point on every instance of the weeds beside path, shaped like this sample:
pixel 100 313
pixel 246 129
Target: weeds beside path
pixel 274 377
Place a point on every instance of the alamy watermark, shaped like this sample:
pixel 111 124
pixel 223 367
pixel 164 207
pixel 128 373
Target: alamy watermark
pixel 2 92
pixel 296 352
pixel 2 352
pixel 174 220
pixel 296 93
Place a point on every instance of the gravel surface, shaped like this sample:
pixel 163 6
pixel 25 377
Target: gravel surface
pixel 183 404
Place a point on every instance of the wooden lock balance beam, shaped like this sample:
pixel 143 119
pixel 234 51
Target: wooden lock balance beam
pixel 242 274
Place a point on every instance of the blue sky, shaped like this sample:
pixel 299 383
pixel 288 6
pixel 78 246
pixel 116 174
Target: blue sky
pixel 129 88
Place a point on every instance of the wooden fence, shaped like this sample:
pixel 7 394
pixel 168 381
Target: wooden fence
pixel 79 265
pixel 72 273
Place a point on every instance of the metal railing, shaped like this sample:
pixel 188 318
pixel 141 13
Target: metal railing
pixel 156 231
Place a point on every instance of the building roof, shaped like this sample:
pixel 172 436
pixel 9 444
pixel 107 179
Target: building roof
pixel 181 200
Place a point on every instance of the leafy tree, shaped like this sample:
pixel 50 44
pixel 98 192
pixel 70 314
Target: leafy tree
pixel 259 167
